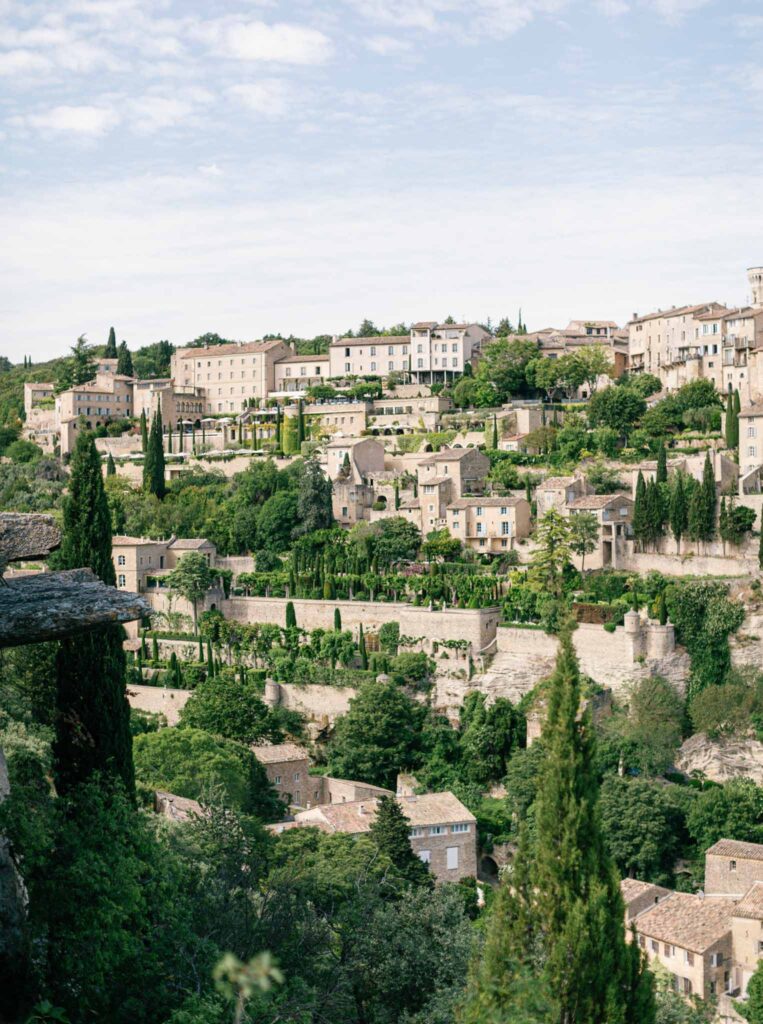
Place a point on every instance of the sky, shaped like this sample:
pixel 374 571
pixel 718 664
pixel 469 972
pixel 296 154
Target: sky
pixel 174 167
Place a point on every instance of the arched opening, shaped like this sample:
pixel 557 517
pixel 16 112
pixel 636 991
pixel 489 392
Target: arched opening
pixel 488 870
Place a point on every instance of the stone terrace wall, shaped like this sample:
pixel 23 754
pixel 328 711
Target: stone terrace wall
pixel 477 625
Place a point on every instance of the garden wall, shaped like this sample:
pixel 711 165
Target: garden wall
pixel 159 699
pixel 476 625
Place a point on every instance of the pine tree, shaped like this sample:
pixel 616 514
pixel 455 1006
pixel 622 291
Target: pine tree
pixel 92 713
pixel 678 512
pixel 111 469
pixel 662 464
pixel 143 432
pixel 124 364
pixel 560 915
pixel 362 649
pixel 291 615
pixel 338 616
pixel 390 833
pixel 110 352
pixel 640 511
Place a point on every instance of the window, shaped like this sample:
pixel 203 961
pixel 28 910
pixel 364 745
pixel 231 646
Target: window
pixel 347 367
pixel 459 828
pixel 288 371
pixel 455 346
pixel 505 529
pixel 687 986
pixel 451 855
pixel 624 510
pixel 419 348
pixel 668 950
pixel 420 363
pixel 346 353
pixel 373 366
pixel 716 959
pixel 732 865
pixel 479 510
pixel 121 560
pixel 455 361
pixel 688 957
pixel 391 364
pixel 296 776
pixel 303 371
pixel 277 780
pixel 373 350
pixel 480 529
pixel 436 830
pixel 416 833
pixel 405 350
pixel 344 511
pixel 752 432
pixel 390 350
pixel 655 946
pixel 122 582
pixel 425 855
pixel 642 941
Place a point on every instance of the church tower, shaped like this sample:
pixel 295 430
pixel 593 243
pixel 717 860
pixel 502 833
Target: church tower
pixel 755 277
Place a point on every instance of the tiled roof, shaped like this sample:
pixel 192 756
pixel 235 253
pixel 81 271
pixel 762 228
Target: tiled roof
pixel 229 350
pixel 597 500
pixel 689 921
pixel 752 410
pixel 356 816
pixel 189 543
pixel 751 904
pixel 121 541
pixel 512 502
pixel 678 311
pixel 275 753
pixel 736 848
pixel 447 455
pixel 553 483
pixel 388 339
pixel 633 888
pixel 413 503
pixel 304 359
pixel 424 325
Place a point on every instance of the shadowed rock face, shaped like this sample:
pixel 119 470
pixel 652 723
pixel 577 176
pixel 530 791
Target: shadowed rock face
pixel 50 606
pixel 27 536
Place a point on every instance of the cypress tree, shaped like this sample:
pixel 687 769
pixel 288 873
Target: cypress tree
pixel 201 651
pixel 709 499
pixel 143 431
pixel 210 661
pixel 732 423
pixel 662 464
pixel 124 364
pixel 279 442
pixel 559 919
pixel 678 512
pixel 92 713
pixel 390 833
pixel 695 509
pixel 639 510
pixel 338 614
pixel 362 649
pixel 300 421
pixel 723 523
pixel 495 431
pixel 760 548
pixel 291 615
pixel 153 464
pixel 111 469
pixel 169 438
pixel 154 649
pixel 110 352
pixel 397 496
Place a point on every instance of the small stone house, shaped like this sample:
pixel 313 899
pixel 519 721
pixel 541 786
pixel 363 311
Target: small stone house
pixel 286 766
pixel 491 525
pixel 556 492
pixel 614 513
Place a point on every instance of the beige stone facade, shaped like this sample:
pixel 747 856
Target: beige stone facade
pixel 229 376
pixel 490 525
pixel 557 492
pixel 614 514
pixel 751 438
pixel 296 373
pixel 138 558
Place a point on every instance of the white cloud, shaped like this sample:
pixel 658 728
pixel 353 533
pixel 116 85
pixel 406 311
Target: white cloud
pixel 387 46
pixel 613 8
pixel 210 170
pixel 269 96
pixel 22 62
pixel 675 10
pixel 154 113
pixel 84 120
pixel 256 41
pixel 466 19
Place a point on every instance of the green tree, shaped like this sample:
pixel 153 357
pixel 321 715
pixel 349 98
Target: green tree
pixel 275 521
pixel 560 914
pixel 732 421
pixel 594 362
pixel 232 708
pixel 397 540
pixel 92 713
pixel 488 737
pixel 153 462
pixel 337 620
pixel 643 827
pixel 192 763
pixel 584 535
pixel 640 511
pixel 390 832
pixel 378 737
pixel 678 511
pixel 362 649
pixel 111 469
pixel 143 432
pixel 78 368
pixel 662 464
pixel 291 615
pixel 314 493
pixel 708 501
pixel 124 364
pixel 616 407
pixel 752 1008
pixel 503 366
pixel 704 618
pixel 552 554
pixel 191 578
pixel 110 352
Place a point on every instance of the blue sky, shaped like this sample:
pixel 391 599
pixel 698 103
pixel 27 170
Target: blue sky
pixel 177 167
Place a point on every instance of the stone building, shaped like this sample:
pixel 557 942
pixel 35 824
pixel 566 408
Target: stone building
pixel 136 559
pixel 614 514
pixel 557 492
pixel 490 525
pixel 443 833
pixel 229 376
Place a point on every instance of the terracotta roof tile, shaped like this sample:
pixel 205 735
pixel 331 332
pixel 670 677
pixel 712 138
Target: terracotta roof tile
pixel 689 921
pixel 751 904
pixel 736 848
pixel 275 753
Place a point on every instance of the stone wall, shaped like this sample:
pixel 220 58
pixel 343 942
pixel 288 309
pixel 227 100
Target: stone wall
pixel 710 561
pixel 320 704
pixel 476 625
pixel 158 699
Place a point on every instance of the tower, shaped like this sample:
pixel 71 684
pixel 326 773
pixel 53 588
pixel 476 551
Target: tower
pixel 755 277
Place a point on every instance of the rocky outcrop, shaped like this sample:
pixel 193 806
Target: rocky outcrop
pixel 25 536
pixel 722 759
pixel 49 606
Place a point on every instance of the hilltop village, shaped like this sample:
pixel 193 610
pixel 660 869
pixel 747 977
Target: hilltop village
pixel 368 574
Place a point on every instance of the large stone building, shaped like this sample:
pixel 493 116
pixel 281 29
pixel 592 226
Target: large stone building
pixel 140 560
pixel 490 525
pixel 229 376
pixel 710 942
